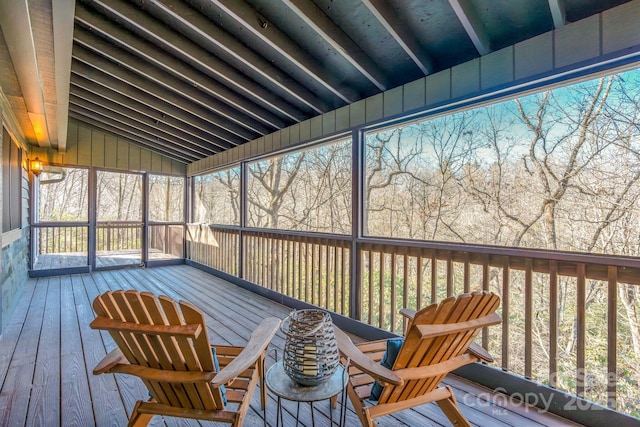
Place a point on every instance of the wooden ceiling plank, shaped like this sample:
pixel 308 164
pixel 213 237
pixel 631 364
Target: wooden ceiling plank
pixel 315 18
pixel 151 139
pixel 161 59
pixel 100 64
pixel 469 19
pixel 138 116
pixel 229 119
pixel 154 111
pixel 245 15
pixel 121 117
pixel 558 13
pixel 401 34
pixel 130 84
pixel 208 63
pixel 130 137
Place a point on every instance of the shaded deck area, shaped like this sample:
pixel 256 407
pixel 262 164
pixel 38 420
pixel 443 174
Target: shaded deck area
pixel 47 353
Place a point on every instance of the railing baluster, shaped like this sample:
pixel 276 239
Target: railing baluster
pixel 467 273
pixel 485 287
pixel 612 336
pixel 343 293
pixel 580 327
pixel 335 277
pixel 381 290
pixel 371 286
pixel 392 309
pixel 327 276
pixel 434 277
pixel 419 279
pixel 553 323
pixel 449 276
pixel 528 317
pixel 505 308
pixel 405 278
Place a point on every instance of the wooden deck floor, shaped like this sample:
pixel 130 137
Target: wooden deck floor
pixel 47 352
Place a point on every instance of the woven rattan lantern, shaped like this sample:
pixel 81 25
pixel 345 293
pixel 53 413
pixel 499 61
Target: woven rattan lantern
pixel 310 351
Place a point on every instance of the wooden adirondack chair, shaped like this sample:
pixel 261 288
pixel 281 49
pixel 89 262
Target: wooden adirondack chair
pixel 167 346
pixel 438 340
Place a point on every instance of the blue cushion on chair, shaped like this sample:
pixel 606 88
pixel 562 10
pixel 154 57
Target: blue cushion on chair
pixel 217 366
pixel 388 359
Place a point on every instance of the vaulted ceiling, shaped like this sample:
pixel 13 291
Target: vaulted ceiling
pixel 192 78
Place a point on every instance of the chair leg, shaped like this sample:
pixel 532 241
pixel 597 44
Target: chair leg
pixel 263 386
pixel 451 409
pixel 137 419
pixel 359 407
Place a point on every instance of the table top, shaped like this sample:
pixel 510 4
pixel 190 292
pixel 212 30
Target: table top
pixel 283 386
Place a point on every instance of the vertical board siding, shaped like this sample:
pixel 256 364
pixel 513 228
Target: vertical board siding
pixel 577 42
pixel 91 147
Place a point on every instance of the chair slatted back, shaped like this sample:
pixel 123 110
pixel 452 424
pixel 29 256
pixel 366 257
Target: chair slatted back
pixel 417 351
pixel 186 350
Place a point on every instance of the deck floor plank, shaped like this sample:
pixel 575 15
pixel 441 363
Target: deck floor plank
pixel 108 407
pixel 77 408
pixel 19 377
pixel 44 408
pixel 50 327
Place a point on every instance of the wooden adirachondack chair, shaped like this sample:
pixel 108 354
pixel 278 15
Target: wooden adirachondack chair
pixel 438 340
pixel 167 346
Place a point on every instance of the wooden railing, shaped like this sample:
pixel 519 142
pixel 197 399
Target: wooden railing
pixel 310 268
pixel 167 239
pixel 61 239
pixel 562 313
pixel 116 237
pixel 218 248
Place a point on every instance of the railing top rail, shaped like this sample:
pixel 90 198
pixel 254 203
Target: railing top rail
pixel 60 224
pixel 507 251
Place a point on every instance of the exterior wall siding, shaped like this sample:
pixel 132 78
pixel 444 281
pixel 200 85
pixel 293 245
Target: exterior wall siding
pixel 591 41
pixel 15 273
pixel 87 146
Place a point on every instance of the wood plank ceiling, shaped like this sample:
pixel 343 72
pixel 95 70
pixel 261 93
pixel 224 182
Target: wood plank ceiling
pixel 192 78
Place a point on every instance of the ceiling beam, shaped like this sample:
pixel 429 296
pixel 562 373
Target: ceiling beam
pixel 315 18
pixel 229 118
pixel 118 35
pixel 399 31
pixel 188 140
pixel 473 26
pixel 558 13
pixel 15 24
pixel 155 112
pixel 131 132
pixel 62 14
pixel 247 17
pixel 96 68
pixel 146 26
pixel 140 127
pixel 130 137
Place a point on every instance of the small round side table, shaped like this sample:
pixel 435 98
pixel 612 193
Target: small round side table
pixel 284 387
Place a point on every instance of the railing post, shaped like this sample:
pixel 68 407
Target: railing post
pixel 243 218
pixel 357 220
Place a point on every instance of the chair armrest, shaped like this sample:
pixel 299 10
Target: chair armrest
pixel 115 357
pixel 361 361
pixel 258 343
pixel 408 313
pixel 479 351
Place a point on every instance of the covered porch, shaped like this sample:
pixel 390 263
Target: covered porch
pixel 48 352
pixel 361 156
